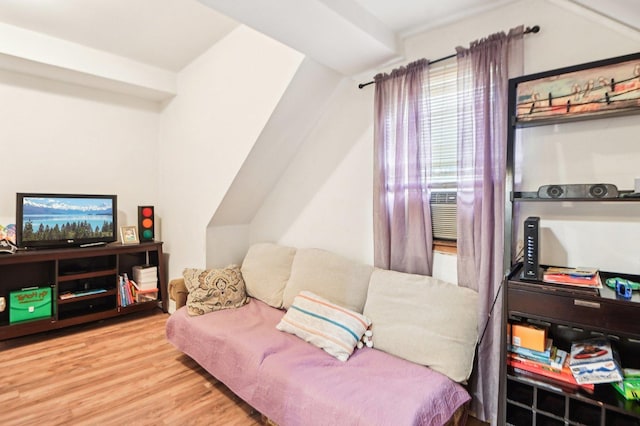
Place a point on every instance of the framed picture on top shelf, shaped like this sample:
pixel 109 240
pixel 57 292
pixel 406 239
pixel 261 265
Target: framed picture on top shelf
pixel 600 88
pixel 129 235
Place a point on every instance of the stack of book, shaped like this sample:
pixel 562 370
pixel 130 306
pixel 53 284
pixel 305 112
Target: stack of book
pixel 126 291
pixel 582 278
pixel 146 277
pixel 550 365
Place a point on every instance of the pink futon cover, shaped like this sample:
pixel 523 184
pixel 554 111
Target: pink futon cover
pixel 295 383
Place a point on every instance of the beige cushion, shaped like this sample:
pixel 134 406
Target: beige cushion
pixel 424 320
pixel 326 325
pixel 266 269
pixel 214 289
pixel 328 275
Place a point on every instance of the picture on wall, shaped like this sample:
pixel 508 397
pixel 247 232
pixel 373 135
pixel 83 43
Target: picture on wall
pixel 597 88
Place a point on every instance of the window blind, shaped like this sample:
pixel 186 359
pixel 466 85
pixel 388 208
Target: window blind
pixel 444 124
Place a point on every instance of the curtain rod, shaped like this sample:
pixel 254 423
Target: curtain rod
pixel 534 29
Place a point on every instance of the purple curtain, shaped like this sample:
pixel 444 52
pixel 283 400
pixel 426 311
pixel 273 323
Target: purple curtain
pixel 402 219
pixel 483 73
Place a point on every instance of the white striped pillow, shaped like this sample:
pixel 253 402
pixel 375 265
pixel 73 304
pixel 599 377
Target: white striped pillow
pixel 326 325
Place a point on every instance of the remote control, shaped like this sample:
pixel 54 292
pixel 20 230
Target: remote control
pixel 93 244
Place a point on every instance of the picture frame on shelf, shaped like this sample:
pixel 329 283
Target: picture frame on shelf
pixel 594 89
pixel 129 235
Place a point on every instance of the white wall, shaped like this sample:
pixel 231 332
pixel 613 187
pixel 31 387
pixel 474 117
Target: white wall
pixel 59 137
pixel 297 112
pixel 584 234
pixel 325 200
pixel 224 99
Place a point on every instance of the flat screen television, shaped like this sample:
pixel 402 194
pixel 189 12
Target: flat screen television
pixel 60 220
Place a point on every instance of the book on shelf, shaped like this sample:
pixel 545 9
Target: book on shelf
pixel 528 336
pixel 557 363
pixel 121 292
pixel 72 294
pixel 147 285
pixel 560 360
pixel 629 387
pixel 584 272
pixel 542 356
pixel 145 271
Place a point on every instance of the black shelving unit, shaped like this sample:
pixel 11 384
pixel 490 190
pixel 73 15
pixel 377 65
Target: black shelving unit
pixel 568 314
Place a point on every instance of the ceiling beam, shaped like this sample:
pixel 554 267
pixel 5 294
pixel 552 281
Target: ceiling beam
pixel 37 54
pixel 339 34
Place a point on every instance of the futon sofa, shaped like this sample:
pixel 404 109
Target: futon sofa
pixel 406 348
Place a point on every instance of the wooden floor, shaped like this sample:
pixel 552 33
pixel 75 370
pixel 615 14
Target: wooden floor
pixel 121 371
pixel 116 372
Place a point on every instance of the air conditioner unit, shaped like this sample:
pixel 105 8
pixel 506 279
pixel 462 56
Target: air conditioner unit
pixel 443 215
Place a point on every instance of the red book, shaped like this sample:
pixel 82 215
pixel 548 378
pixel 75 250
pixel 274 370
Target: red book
pixel 547 372
pixel 534 363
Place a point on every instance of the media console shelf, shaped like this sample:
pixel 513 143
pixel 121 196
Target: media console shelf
pixel 572 315
pixel 83 284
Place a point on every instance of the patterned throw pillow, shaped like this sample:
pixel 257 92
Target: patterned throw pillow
pixel 214 289
pixel 326 325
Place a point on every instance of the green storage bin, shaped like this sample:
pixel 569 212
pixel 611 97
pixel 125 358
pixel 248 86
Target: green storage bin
pixel 29 304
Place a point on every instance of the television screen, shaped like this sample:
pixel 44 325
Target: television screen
pixel 56 220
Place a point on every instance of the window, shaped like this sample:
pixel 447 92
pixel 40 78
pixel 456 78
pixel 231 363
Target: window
pixel 444 136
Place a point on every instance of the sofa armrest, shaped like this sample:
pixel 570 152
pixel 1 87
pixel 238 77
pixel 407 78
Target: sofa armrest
pixel 178 292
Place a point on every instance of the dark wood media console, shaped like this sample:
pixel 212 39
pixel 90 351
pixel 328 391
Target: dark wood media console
pixel 570 316
pixel 94 270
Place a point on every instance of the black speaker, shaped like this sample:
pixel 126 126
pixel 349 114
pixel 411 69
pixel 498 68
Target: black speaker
pixel 146 223
pixel 579 190
pixel 531 266
pixel 602 190
pixel 552 191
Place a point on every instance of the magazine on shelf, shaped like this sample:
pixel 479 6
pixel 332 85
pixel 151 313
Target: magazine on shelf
pixel 563 383
pixel 595 361
pixel 574 277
